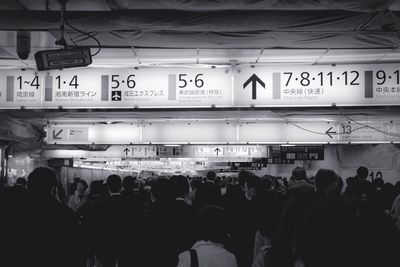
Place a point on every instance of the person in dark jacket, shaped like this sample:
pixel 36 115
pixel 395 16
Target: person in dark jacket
pixel 41 231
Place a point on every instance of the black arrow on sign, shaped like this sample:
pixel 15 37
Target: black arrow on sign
pixel 329 132
pixel 254 80
pixel 56 135
pixel 126 150
pixel 217 150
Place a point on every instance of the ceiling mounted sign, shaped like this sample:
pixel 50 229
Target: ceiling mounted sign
pixel 179 87
pixel 327 85
pixel 220 137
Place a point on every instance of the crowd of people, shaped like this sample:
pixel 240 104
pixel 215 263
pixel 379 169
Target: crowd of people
pixel 249 221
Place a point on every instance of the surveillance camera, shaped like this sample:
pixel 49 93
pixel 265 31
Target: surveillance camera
pixel 23 44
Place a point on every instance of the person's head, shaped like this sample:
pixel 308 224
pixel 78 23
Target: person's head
pixel 211 176
pixel 42 182
pixel 326 181
pixel 252 186
pixel 129 183
pixel 291 218
pixel 299 174
pixel 362 173
pixel 212 224
pixel 328 236
pixel 350 181
pixel 21 181
pixel 162 191
pixel 362 190
pixel 181 186
pixel 266 183
pixel 378 183
pixel 397 187
pixel 242 178
pixel 114 183
pixel 81 186
pixel 96 187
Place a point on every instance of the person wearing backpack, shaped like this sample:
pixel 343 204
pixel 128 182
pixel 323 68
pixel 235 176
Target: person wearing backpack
pixel 209 250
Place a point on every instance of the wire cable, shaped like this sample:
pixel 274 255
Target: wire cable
pixel 87 34
pixel 370 127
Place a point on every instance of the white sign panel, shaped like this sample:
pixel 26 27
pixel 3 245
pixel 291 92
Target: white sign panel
pixel 342 85
pixel 20 89
pixel 226 151
pixel 326 85
pixel 144 87
pixel 368 132
pixel 218 133
pixel 159 151
pixel 93 134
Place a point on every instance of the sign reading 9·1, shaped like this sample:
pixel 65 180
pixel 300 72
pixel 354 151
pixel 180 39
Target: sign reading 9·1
pixel 342 85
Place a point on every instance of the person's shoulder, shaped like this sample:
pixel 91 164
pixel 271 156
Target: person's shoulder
pixel 184 259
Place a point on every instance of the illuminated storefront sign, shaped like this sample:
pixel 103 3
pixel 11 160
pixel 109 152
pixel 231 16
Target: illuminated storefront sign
pixel 322 85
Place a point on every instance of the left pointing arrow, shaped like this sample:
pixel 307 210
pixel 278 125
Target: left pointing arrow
pixel 56 136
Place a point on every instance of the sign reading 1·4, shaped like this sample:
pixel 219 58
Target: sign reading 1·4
pixel 343 85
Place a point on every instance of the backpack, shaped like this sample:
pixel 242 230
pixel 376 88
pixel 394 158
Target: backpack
pixel 194 260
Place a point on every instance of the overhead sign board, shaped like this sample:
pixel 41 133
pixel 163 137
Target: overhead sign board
pixel 217 133
pixel 341 85
pixel 179 87
pixel 117 88
pixel 160 151
pixel 67 134
pixel 227 151
pixel 92 134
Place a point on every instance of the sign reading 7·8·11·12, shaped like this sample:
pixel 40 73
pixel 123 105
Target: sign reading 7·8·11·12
pixel 327 85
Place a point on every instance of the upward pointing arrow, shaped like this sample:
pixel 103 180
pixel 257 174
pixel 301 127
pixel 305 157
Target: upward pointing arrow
pixel 126 150
pixel 217 150
pixel 254 79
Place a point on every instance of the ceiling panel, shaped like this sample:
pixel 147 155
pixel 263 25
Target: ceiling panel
pixel 353 56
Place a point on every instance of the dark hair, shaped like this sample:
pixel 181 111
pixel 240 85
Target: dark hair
pixel 362 190
pixel 362 172
pixel 41 180
pixel 181 185
pixel 21 181
pixel 85 185
pixel 212 224
pixel 299 173
pixel 378 182
pixel 211 175
pixel 243 176
pixel 114 183
pixel 266 183
pixel 253 181
pixel 350 180
pixel 96 187
pixel 129 182
pixel 329 232
pixel 161 189
pixel 324 179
